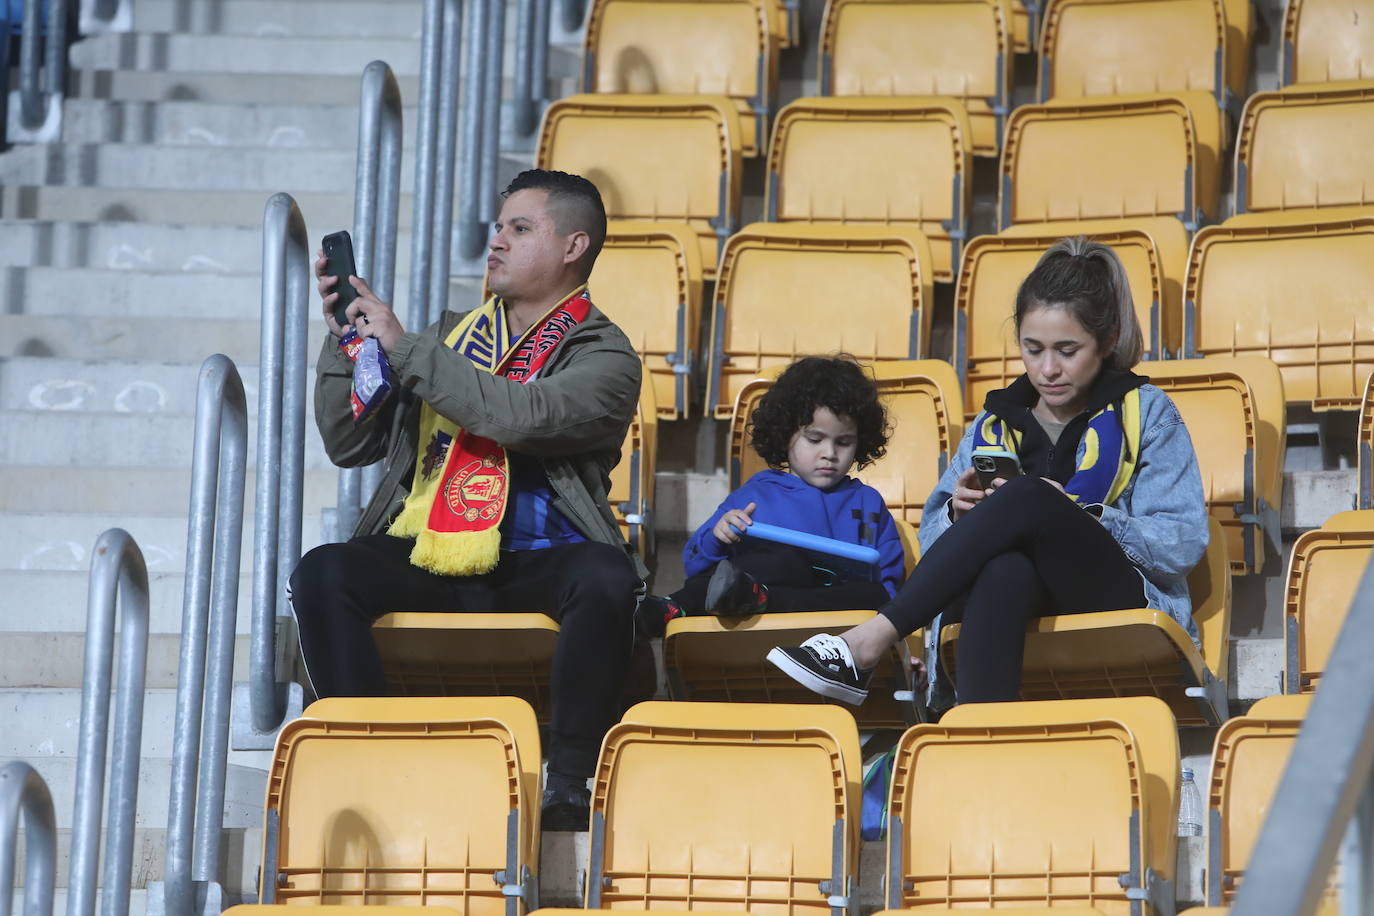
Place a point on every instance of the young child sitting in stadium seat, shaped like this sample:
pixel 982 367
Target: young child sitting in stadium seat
pixel 818 419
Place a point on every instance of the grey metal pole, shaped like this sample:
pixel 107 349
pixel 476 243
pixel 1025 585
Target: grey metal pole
pixel 117 568
pixel 281 441
pixel 214 530
pixel 1327 772
pixel 426 139
pixel 539 62
pixel 22 789
pixel 56 48
pixel 30 92
pixel 525 94
pixel 437 299
pixel 470 190
pixel 491 115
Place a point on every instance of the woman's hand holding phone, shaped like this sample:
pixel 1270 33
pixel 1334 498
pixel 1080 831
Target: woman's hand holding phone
pixel 968 493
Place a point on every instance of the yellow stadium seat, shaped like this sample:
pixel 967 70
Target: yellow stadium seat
pixel 1156 733
pixel 986 351
pixel 258 909
pixel 875 160
pixel 1234 409
pixel 1118 47
pixel 725 48
pixel 1073 828
pixel 956 48
pixel 1366 446
pixel 922 400
pixel 402 835
pixel 1306 146
pixel 1351 520
pixel 1247 761
pixel 766 826
pixel 433 654
pixel 787 290
pixel 1323 574
pixel 632 480
pixel 1005 911
pixel 660 158
pixel 784 17
pixel 1134 652
pixel 648 281
pixel 1244 282
pixel 1171 242
pixel 836 720
pixel 1112 157
pixel 1325 42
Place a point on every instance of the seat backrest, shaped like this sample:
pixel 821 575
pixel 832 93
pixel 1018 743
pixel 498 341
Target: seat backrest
pixel 1100 158
pixel 1247 761
pixel 768 823
pixel 1323 575
pixel 1306 146
pixel 647 280
pixel 1003 813
pixel 958 48
pixel 986 352
pixel 650 157
pixel 922 399
pixel 1234 411
pixel 788 290
pixel 1244 283
pixel 1324 41
pixel 672 47
pixel 1209 587
pixel 1156 736
pixel 438 846
pixel 1115 47
pixel 869 160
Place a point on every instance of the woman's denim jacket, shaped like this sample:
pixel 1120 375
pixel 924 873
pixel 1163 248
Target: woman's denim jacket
pixel 1160 519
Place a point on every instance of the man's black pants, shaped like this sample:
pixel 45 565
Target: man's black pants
pixel 338 590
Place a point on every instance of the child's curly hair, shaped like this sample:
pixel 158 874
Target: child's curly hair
pixel 837 383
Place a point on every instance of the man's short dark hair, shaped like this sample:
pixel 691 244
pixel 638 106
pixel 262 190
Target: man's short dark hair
pixel 574 203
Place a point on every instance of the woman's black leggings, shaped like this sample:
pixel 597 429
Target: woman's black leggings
pixel 1023 552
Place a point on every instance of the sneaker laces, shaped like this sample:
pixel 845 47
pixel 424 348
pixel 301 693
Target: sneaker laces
pixel 831 649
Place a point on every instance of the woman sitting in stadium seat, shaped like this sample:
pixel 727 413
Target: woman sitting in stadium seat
pixel 1106 513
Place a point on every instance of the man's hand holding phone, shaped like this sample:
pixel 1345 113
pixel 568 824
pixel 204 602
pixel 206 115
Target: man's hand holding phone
pixel 368 315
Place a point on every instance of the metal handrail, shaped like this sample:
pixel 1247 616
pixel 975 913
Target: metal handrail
pixel 531 65
pixel 22 789
pixel 36 106
pixel 280 464
pixel 376 206
pixel 117 569
pixel 435 139
pixel 1327 775
pixel 200 748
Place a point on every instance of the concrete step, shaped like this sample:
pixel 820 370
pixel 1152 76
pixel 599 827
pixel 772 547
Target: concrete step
pixel 240 859
pixel 46 725
pixel 62 541
pixel 154 248
pixel 244 791
pixel 133 491
pixel 302 88
pixel 257 54
pixel 169 389
pixel 201 124
pixel 136 294
pixel 62 596
pixel 351 18
pixel 138 901
pixel 186 339
pixel 44 660
pixel 177 205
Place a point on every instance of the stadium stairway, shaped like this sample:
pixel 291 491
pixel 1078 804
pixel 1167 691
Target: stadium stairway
pixel 130 251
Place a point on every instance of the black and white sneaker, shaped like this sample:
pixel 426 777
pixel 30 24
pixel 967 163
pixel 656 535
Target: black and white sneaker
pixel 824 664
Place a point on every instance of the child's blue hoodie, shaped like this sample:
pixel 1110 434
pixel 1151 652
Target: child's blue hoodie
pixel 850 511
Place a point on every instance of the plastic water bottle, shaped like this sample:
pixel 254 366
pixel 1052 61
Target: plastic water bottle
pixel 1189 807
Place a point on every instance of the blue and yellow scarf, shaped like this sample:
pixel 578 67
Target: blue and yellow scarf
pixel 1111 447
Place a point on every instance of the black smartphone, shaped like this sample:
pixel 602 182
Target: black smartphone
pixel 989 465
pixel 338 253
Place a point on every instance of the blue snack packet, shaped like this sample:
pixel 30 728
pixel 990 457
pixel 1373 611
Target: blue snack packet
pixel 371 374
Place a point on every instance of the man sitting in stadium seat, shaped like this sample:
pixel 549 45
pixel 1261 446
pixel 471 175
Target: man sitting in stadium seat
pixel 504 425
